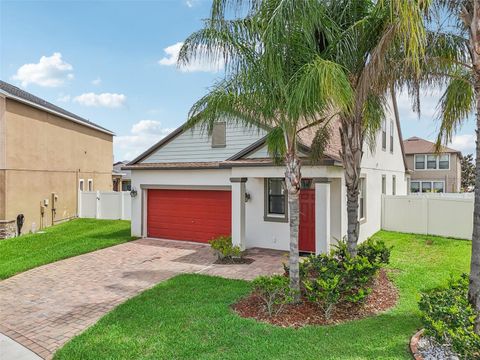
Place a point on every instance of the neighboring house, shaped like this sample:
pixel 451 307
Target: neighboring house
pixel 122 180
pixel 191 186
pixel 46 155
pixel 432 172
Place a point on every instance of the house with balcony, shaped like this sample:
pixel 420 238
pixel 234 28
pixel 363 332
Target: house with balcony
pixel 432 172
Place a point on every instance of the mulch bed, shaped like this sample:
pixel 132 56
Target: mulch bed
pixel 384 296
pixel 233 261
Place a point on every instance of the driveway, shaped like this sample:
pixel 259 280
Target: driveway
pixel 45 307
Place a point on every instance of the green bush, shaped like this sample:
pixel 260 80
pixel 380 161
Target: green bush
pixel 224 249
pixel 274 291
pixel 334 278
pixel 449 318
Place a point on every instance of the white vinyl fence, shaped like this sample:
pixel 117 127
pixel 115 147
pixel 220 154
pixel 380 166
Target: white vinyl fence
pixel 110 205
pixel 442 215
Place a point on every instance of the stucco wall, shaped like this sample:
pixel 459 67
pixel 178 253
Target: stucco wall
pixel 450 177
pixel 47 154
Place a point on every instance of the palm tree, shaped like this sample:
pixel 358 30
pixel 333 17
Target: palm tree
pixel 453 61
pixel 291 64
pixel 267 84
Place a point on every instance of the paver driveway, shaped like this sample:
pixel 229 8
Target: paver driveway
pixel 44 307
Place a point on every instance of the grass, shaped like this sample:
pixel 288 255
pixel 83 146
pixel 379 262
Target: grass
pixel 188 317
pixel 61 241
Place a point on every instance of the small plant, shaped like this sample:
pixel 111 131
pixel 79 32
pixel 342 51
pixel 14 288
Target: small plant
pixel 334 278
pixel 224 249
pixel 274 291
pixel 449 318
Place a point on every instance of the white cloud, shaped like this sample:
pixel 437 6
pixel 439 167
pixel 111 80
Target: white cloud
pixel 97 81
pixel 64 98
pixel 50 71
pixel 143 134
pixel 464 143
pixel 198 65
pixel 110 100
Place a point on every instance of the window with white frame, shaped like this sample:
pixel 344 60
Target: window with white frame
pixel 90 184
pixel 394 185
pixel 391 135
pixel 427 186
pixel 275 200
pixel 81 184
pixel 384 134
pixel 362 203
pixel 432 162
pixel 384 184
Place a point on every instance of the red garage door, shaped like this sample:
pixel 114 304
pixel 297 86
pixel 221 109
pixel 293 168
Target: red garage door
pixel 192 215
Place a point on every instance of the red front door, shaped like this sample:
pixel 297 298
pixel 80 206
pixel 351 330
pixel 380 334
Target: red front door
pixel 193 215
pixel 306 236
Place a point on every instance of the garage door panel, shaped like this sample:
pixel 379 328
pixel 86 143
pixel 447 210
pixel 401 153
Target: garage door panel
pixel 194 215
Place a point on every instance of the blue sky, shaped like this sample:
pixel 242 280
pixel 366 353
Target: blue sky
pixel 113 63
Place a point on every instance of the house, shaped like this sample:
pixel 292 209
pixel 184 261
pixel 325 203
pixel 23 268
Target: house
pixel 192 186
pixel 121 178
pixel 47 154
pixel 432 172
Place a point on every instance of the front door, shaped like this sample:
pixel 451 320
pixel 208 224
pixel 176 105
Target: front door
pixel 306 236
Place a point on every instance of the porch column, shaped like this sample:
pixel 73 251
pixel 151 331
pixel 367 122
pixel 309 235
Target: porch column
pixel 238 212
pixel 322 217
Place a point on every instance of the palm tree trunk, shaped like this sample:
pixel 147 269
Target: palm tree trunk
pixel 292 182
pixel 474 288
pixel 352 139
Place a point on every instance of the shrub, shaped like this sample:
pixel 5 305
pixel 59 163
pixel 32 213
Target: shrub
pixel 449 318
pixel 330 279
pixel 224 249
pixel 274 291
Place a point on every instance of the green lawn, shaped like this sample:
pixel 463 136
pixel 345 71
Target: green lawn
pixel 188 317
pixel 60 242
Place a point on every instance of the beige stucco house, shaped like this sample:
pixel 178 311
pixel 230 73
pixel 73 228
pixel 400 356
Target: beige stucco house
pixel 47 154
pixel 432 172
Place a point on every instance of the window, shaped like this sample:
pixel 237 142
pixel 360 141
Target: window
pixel 384 184
pixel 431 162
pixel 80 185
pixel 414 187
pixel 126 185
pixel 219 135
pixel 394 185
pixel 427 186
pixel 275 200
pixel 438 186
pixel 90 184
pixel 444 162
pixel 419 162
pixel 362 203
pixel 391 136
pixel 384 134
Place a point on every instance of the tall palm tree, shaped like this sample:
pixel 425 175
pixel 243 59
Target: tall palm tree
pixel 291 64
pixel 452 60
pixel 267 84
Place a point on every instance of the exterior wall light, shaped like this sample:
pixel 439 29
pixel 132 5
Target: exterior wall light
pixel 247 197
pixel 133 192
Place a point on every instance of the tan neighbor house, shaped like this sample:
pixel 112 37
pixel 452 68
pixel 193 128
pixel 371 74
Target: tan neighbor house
pixel 46 155
pixel 432 172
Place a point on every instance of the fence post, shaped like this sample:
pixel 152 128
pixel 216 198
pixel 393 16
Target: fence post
pixel 98 214
pixel 122 204
pixel 79 204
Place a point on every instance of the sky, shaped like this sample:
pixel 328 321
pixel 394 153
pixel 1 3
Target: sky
pixel 114 63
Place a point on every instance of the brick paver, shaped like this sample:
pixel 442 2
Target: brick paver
pixel 45 307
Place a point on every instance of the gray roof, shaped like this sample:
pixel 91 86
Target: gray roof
pixel 21 95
